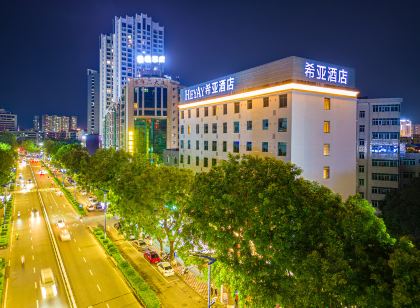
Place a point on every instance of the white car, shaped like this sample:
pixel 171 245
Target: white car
pixel 48 285
pixel 40 172
pixel 166 269
pixel 60 223
pixel 59 193
pixel 90 208
pixel 65 235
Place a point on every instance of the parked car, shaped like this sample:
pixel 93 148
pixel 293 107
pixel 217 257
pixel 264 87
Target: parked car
pixel 140 245
pixel 60 223
pixel 99 206
pixel 166 269
pixel 90 208
pixel 35 213
pixel 65 235
pixel 117 225
pixel 59 193
pixel 47 283
pixel 152 256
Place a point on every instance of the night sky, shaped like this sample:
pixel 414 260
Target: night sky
pixel 46 46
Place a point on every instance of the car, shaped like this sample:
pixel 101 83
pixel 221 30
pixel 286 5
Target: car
pixel 84 193
pixel 140 245
pixel 65 235
pixel 34 213
pixel 90 208
pixel 117 225
pixel 59 193
pixel 42 172
pixel 60 223
pixel 29 181
pixel 47 283
pixel 99 206
pixel 166 269
pixel 152 256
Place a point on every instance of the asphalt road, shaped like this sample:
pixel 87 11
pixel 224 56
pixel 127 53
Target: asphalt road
pixel 94 279
pixel 23 284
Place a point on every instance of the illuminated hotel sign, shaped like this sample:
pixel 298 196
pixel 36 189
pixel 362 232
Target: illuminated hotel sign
pixel 220 86
pixel 323 72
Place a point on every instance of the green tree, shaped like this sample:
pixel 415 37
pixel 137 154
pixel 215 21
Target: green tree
pixel 281 239
pixel 401 211
pixel 8 158
pixel 8 138
pixel 29 146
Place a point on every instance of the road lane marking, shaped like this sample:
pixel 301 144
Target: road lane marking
pixel 5 293
pixel 32 247
pixel 84 259
pixel 31 238
pixel 33 257
pixel 99 288
pixel 9 262
pixel 90 271
pixel 78 248
pixel 37 303
pixel 36 286
pixel 34 270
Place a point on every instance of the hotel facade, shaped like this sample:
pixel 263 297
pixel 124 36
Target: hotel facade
pixel 294 109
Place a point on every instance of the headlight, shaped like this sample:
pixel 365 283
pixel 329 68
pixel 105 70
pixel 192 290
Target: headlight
pixel 54 290
pixel 44 292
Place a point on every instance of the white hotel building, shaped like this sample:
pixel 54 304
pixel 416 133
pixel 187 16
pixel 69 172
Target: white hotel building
pixel 293 109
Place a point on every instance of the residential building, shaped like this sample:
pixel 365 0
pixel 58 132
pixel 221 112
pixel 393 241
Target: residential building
pixel 36 125
pixel 294 109
pixel 8 121
pixel 409 167
pixel 416 129
pixel 92 102
pixel 58 124
pixel 135 49
pixel 406 128
pixel 378 150
pixel 146 120
pixel 73 123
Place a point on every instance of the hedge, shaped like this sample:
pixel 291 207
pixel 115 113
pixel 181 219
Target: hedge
pixel 2 277
pixel 5 225
pixel 67 193
pixel 146 295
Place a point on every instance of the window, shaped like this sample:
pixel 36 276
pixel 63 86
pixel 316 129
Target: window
pixel 189 144
pixel 206 145
pixel 213 162
pixel 248 125
pixel 181 159
pixel 327 103
pixel 224 146
pixel 214 128
pixel 182 115
pixel 197 112
pixel 189 129
pixel 326 173
pixel 361 155
pixel 249 104
pixel 282 125
pixel 224 108
pixel 326 127
pixel 206 128
pixel 206 162
pixel 266 102
pixel 224 127
pixel 283 101
pixel 197 161
pixel 361 114
pixel 236 127
pixel 361 128
pixel 197 128
pixel 197 144
pixel 281 149
pixel 265 124
pixel 385 177
pixel 214 146
pixel 188 159
pixel 182 144
pixel 408 162
pixel 384 163
pixel 236 110
pixel 236 147
pixel 361 182
pixel 264 147
pixel 189 113
pixel 249 146
pixel 361 142
pixel 386 108
pixel 206 111
pixel 388 135
pixel 182 129
pixel 385 121
pixel 382 190
pixel 326 149
pixel 361 169
pixel 214 108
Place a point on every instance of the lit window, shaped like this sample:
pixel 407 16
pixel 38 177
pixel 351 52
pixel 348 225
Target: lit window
pixel 237 107
pixel 249 104
pixel 327 103
pixel 189 129
pixel 326 173
pixel 326 127
pixel 182 114
pixel 265 101
pixel 214 110
pixel 326 149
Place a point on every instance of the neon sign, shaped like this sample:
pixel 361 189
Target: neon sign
pixel 215 87
pixel 325 72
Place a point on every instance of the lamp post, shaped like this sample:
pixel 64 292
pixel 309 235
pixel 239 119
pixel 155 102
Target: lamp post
pixel 105 210
pixel 210 262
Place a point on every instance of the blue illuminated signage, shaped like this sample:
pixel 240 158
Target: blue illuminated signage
pixel 326 72
pixel 219 86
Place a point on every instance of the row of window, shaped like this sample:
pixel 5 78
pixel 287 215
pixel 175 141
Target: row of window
pixel 386 121
pixel 281 146
pixel 385 135
pixel 197 161
pixel 281 127
pixel 386 108
pixel 385 177
pixel 236 107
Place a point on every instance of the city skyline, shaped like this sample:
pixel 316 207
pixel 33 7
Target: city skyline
pixel 385 60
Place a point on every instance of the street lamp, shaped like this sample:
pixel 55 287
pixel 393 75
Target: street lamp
pixel 105 209
pixel 210 262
